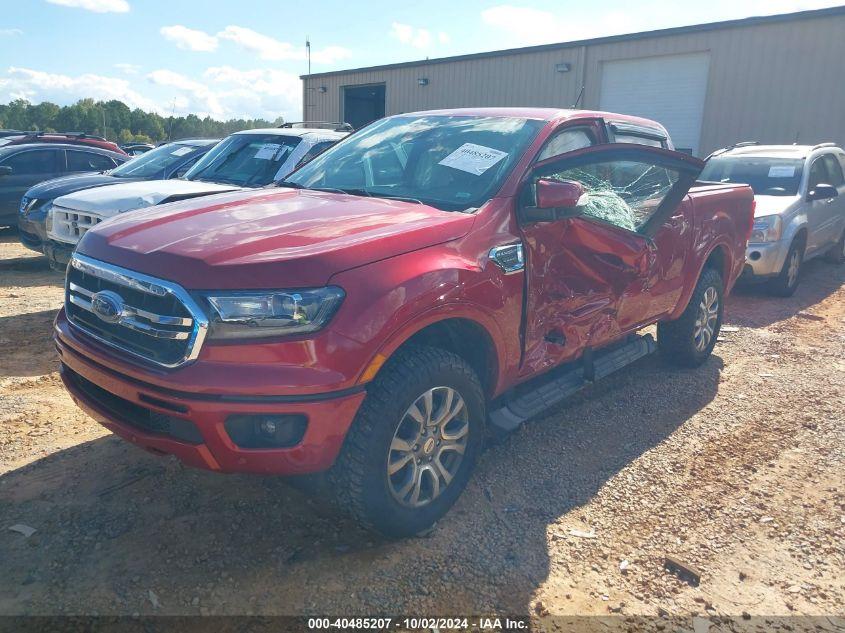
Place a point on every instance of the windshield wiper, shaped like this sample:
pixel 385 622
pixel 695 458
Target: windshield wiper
pixel 400 198
pixel 288 183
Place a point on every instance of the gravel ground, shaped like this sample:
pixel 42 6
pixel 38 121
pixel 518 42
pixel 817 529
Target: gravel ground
pixel 735 469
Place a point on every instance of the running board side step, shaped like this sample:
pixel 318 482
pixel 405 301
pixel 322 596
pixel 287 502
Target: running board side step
pixel 603 363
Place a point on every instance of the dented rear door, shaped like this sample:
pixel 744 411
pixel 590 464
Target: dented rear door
pixel 616 263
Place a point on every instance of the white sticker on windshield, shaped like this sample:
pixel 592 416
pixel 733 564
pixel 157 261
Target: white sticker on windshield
pixel 181 151
pixel 267 151
pixel 473 159
pixel 781 171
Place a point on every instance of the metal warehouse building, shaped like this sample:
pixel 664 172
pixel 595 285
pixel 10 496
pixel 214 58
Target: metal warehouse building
pixel 774 79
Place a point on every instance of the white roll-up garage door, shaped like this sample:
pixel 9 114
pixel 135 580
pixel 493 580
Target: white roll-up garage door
pixel 669 89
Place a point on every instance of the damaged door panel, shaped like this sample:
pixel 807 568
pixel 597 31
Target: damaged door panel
pixel 600 267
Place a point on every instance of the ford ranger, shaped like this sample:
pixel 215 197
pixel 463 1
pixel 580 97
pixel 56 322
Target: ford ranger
pixel 430 279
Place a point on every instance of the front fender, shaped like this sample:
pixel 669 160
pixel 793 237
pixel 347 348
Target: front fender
pixel 388 302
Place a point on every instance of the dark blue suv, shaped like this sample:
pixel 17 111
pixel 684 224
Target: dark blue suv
pixel 162 163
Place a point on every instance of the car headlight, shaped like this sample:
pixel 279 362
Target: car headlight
pixel 28 204
pixel 267 313
pixel 48 221
pixel 766 229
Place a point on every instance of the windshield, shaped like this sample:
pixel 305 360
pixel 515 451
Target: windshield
pixel 766 176
pixel 245 160
pixel 155 162
pixel 450 162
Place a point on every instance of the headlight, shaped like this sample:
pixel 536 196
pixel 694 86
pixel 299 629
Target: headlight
pixel 766 229
pixel 260 314
pixel 28 204
pixel 48 221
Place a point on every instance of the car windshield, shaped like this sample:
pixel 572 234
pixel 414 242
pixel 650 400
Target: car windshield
pixel 450 162
pixel 766 176
pixel 245 160
pixel 154 163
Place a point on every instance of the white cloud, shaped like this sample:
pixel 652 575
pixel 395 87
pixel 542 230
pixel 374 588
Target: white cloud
pixel 417 37
pixel 189 39
pixel 269 48
pixel 267 93
pixel 222 92
pixel 97 6
pixel 227 92
pixel 129 69
pixel 10 32
pixel 37 86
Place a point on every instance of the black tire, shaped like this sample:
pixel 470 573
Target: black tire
pixel 784 285
pixel 677 339
pixel 359 479
pixel 836 254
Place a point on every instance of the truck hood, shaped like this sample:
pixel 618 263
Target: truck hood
pixel 67 184
pixel 126 196
pixel 774 205
pixel 268 238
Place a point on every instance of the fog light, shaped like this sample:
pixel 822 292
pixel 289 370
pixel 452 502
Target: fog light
pixel 266 430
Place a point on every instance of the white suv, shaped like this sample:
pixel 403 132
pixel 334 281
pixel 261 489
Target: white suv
pixel 800 196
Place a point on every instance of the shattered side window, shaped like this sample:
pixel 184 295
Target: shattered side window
pixel 623 193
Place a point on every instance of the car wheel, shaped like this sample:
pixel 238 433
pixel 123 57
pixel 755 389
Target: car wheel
pixel 837 253
pixel 785 284
pixel 689 340
pixel 413 444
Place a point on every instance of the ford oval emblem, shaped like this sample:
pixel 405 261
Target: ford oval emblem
pixel 107 305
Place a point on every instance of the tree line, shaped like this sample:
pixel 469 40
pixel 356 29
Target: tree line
pixel 116 121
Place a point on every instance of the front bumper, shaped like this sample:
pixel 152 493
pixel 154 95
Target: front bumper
pixel 31 233
pixel 764 260
pixel 116 401
pixel 58 253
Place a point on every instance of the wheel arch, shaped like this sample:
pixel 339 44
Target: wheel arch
pixel 460 333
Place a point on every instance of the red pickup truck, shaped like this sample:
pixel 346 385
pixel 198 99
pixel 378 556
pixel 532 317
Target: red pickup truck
pixel 431 278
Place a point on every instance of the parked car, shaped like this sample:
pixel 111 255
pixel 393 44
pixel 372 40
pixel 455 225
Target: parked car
pixel 800 206
pixel 248 159
pixel 136 149
pixel 66 138
pixel 168 161
pixel 22 166
pixel 432 276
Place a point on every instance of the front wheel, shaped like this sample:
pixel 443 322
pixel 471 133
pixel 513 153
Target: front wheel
pixel 836 254
pixel 413 444
pixel 689 340
pixel 785 284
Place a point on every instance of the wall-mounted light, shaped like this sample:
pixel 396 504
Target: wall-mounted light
pixel 423 81
pixel 322 89
pixel 563 67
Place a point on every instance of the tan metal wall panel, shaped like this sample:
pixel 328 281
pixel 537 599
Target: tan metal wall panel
pixel 774 82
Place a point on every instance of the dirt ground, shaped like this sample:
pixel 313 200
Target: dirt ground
pixel 736 468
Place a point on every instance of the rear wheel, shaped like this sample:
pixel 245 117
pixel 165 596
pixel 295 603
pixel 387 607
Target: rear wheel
pixel 837 253
pixel 785 284
pixel 689 340
pixel 413 444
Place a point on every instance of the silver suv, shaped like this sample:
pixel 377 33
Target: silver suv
pixel 800 196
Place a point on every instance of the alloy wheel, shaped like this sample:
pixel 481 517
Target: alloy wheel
pixel 705 321
pixel 428 447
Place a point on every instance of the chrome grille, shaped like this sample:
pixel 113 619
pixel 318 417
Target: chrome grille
pixel 69 225
pixel 149 318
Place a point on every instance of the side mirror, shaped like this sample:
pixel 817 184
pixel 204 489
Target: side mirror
pixel 558 194
pixel 822 192
pixel 5 170
pixel 556 199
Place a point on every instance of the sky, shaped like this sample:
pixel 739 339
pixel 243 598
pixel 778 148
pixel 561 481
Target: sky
pixel 230 59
